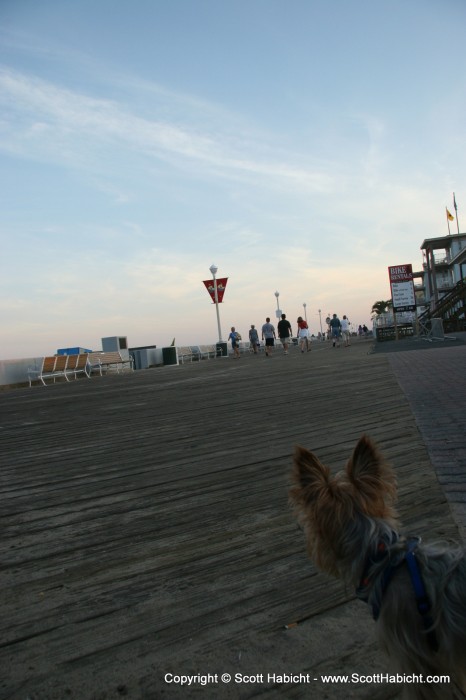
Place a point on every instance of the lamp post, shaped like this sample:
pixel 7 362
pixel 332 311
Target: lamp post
pixel 305 312
pixel 320 321
pixel 213 268
pixel 278 311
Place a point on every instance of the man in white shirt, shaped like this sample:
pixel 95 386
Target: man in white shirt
pixel 345 331
pixel 268 333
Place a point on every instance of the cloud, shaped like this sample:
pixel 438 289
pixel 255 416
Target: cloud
pixel 319 220
pixel 45 119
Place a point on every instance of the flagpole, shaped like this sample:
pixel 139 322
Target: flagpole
pixel 448 221
pixel 456 211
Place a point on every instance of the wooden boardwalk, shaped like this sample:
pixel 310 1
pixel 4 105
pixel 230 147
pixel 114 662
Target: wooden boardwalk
pixel 145 528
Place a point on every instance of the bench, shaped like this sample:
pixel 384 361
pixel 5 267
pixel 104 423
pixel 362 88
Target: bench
pixel 59 366
pixel 245 346
pixel 77 364
pixel 201 352
pixel 208 351
pixel 184 353
pixel 48 369
pixel 105 361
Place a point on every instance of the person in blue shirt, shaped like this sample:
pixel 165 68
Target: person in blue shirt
pixel 254 339
pixel 335 330
pixel 235 338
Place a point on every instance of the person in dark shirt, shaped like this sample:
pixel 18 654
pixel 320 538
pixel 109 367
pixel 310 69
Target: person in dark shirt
pixel 335 330
pixel 284 332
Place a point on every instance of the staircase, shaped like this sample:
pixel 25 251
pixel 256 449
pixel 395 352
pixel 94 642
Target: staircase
pixel 451 308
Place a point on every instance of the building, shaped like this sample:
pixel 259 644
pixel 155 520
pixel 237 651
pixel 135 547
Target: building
pixel 441 289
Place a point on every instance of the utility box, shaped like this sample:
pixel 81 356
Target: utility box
pixel 116 343
pixel 437 329
pixel 170 355
pixel 72 351
pixel 144 357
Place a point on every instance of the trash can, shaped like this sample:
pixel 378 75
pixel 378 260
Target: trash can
pixel 221 350
pixel 169 356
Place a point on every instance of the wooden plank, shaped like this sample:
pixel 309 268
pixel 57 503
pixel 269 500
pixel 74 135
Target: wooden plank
pixel 145 523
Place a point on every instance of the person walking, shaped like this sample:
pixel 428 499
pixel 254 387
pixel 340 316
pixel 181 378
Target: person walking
pixel 268 334
pixel 335 329
pixel 284 332
pixel 345 331
pixel 235 338
pixel 303 334
pixel 254 339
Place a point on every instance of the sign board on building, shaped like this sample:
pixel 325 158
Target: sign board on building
pixel 402 287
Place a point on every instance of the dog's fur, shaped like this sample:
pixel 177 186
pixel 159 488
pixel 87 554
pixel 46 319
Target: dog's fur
pixel 345 518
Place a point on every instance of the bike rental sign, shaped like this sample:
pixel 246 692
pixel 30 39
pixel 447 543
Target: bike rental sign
pixel 402 288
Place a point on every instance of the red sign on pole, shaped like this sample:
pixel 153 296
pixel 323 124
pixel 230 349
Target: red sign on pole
pixel 221 284
pixel 402 286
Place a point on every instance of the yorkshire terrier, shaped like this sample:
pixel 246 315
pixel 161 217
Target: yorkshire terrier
pixel 417 592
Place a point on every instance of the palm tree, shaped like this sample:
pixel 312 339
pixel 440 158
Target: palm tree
pixel 381 307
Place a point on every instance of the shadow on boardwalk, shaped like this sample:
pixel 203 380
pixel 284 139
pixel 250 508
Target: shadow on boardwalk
pixel 146 530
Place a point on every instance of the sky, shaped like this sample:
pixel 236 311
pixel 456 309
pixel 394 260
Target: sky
pixel 301 146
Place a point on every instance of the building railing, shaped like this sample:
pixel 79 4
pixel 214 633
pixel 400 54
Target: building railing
pixel 451 306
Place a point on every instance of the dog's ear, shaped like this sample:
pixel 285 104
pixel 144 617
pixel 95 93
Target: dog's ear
pixel 309 476
pixel 371 476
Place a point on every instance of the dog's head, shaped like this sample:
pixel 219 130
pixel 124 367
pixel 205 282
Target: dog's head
pixel 337 512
